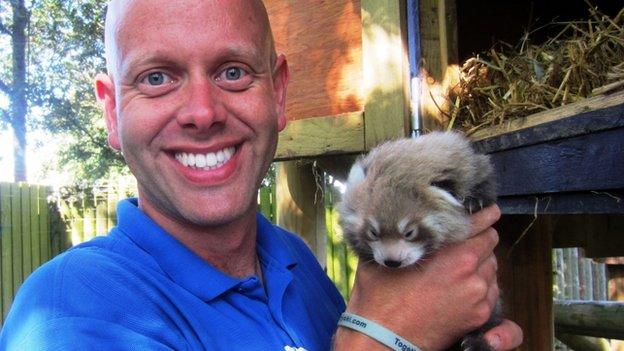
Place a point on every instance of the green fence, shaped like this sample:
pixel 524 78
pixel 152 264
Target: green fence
pixel 31 232
pixel 341 263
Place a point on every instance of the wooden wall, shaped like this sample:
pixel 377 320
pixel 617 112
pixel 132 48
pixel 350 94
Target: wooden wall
pixel 322 41
pixel 349 74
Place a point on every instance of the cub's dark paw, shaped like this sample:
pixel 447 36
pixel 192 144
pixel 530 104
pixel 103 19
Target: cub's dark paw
pixel 474 342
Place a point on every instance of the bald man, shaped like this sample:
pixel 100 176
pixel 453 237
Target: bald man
pixel 194 99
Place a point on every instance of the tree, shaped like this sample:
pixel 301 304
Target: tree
pixel 63 51
pixel 16 88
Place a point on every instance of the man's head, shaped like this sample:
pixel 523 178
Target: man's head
pixel 194 99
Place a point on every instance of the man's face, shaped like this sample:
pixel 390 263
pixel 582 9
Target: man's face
pixel 198 104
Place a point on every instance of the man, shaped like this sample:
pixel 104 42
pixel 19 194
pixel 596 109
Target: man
pixel 194 99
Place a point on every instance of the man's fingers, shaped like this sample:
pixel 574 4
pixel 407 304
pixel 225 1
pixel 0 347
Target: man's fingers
pixel 483 244
pixel 505 336
pixel 487 269
pixel 485 218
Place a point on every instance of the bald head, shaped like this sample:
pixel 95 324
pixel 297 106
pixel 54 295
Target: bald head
pixel 119 17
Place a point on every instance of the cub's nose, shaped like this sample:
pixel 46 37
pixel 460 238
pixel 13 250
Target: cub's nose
pixel 392 263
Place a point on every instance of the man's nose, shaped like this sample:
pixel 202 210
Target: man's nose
pixel 202 108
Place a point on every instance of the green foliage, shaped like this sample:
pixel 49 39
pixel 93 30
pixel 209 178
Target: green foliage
pixel 67 51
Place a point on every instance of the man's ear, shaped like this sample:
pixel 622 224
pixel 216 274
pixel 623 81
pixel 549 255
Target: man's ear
pixel 280 85
pixel 105 95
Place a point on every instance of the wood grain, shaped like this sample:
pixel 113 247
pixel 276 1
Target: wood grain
pixel 525 277
pixel 322 136
pixel 386 70
pixel 322 41
pixel 571 110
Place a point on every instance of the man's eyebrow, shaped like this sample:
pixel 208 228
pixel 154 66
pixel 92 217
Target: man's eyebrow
pixel 146 59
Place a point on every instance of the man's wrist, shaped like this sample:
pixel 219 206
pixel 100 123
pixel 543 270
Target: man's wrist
pixel 347 340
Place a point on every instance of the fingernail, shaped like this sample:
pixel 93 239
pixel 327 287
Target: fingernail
pixel 494 341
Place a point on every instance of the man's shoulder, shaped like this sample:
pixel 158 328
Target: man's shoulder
pixel 89 273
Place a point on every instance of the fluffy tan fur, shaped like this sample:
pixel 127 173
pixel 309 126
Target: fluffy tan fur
pixel 424 184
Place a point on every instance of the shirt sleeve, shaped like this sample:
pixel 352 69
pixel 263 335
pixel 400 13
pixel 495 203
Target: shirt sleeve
pixel 83 301
pixel 76 333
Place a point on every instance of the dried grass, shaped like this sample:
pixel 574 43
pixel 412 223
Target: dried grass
pixel 585 58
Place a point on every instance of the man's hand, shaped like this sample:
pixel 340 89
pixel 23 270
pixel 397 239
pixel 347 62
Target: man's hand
pixel 436 303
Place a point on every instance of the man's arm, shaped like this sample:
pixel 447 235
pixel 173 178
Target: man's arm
pixel 433 305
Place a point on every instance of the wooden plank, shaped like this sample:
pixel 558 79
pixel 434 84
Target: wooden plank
pixel 44 226
pixel 16 233
pixel 7 244
pixel 602 319
pixel 439 50
pixel 525 277
pixel 386 70
pixel 323 44
pixel 26 213
pixel 101 215
pixel 588 202
pixel 299 205
pixel 586 162
pixel 111 203
pixel 590 109
pixel 35 249
pixel 584 123
pixel 599 235
pixel 322 136
pixel 88 221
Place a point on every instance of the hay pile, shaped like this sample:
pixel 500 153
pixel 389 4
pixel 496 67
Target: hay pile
pixel 585 58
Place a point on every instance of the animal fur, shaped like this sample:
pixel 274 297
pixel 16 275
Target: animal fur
pixel 409 197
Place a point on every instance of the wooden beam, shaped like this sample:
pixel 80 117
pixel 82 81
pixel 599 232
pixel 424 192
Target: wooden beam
pixel 572 110
pixel 439 50
pixel 322 136
pixel 594 318
pixel 300 204
pixel 585 202
pixel 585 343
pixel 586 162
pixel 386 70
pixel 600 235
pixel 525 276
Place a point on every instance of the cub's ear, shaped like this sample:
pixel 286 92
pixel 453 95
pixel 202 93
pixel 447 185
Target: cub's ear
pixel 356 174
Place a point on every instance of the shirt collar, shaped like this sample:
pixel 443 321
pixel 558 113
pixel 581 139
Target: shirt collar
pixel 186 268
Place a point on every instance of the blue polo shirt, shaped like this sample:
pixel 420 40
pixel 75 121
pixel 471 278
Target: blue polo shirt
pixel 140 289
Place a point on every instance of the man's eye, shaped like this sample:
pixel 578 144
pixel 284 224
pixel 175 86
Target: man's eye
pixel 156 78
pixel 234 78
pixel 233 73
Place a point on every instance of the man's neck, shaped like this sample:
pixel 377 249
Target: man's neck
pixel 231 248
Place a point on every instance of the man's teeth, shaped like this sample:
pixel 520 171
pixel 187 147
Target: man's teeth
pixel 210 160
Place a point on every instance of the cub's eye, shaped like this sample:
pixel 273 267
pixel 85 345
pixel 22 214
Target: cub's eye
pixel 410 234
pixel 373 234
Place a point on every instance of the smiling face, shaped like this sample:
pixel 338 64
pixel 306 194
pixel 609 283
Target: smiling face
pixel 195 105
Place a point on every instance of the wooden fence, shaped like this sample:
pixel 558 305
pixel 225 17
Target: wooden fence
pixel 341 263
pixel 36 224
pixel 31 233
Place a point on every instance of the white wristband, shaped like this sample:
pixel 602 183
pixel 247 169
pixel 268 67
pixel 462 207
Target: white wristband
pixel 376 331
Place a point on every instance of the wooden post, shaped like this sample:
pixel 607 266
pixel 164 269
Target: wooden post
pixel 438 37
pixel 386 70
pixel 7 244
pixel 525 276
pixel 300 204
pixel 16 233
